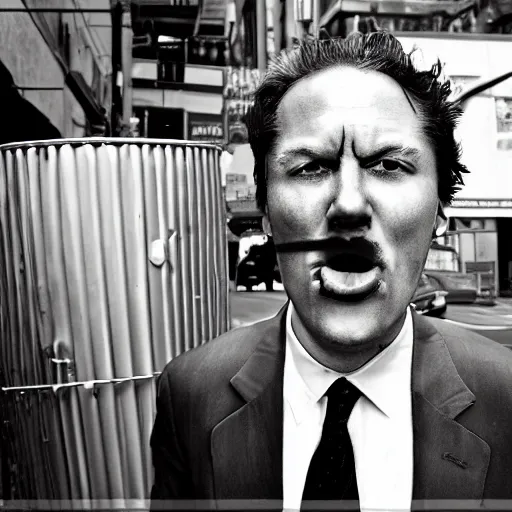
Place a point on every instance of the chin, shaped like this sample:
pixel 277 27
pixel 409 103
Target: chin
pixel 353 325
pixel 349 333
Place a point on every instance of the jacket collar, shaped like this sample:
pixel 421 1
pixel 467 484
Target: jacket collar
pixel 434 374
pixel 262 367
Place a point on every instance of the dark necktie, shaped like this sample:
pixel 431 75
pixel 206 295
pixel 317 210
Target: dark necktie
pixel 332 473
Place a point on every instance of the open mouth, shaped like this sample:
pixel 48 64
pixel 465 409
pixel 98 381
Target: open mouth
pixel 349 277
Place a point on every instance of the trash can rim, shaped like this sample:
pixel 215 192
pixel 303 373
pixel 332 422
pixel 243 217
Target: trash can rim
pixel 112 141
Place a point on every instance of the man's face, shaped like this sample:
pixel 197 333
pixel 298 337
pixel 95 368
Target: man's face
pixel 351 163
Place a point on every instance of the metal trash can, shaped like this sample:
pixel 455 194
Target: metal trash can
pixel 113 260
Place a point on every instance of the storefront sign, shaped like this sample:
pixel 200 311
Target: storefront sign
pixel 481 203
pixel 235 178
pixel 242 205
pixel 205 127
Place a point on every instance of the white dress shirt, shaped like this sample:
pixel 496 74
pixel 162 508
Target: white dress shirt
pixel 380 425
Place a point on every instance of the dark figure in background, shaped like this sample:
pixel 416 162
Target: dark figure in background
pixel 257 266
pixel 347 394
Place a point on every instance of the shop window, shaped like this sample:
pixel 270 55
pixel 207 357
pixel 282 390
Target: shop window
pixel 171 59
pixel 468 224
pixel 504 123
pixel 490 224
pixel 207 51
pixel 442 258
pixel 160 123
pixel 476 224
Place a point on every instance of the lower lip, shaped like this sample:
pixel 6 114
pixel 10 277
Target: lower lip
pixel 349 286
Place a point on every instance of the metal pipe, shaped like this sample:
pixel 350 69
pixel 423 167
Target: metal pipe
pixel 479 87
pixel 39 88
pixel 126 65
pixel 261 34
pixel 53 10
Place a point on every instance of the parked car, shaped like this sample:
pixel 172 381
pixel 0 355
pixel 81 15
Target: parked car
pixel 256 261
pixel 430 297
pixel 461 288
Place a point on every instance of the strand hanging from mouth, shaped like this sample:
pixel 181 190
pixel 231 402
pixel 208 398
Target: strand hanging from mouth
pixel 357 246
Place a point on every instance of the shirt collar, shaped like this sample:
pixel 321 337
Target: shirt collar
pixel 385 380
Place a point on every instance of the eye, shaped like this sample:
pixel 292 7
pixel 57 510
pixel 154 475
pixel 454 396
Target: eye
pixel 313 169
pixel 388 166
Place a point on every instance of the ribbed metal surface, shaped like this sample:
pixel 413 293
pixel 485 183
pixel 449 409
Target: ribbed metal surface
pixel 84 296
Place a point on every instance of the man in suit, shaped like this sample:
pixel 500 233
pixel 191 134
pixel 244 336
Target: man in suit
pixel 347 394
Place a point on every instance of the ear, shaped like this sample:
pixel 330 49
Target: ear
pixel 266 224
pixel 441 224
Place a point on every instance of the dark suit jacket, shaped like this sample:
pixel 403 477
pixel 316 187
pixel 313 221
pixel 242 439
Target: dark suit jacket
pixel 218 429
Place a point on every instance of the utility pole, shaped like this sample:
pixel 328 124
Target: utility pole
pixel 126 65
pixel 117 106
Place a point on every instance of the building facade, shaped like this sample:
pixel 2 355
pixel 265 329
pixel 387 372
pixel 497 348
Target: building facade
pixel 55 68
pixel 481 213
pixel 179 58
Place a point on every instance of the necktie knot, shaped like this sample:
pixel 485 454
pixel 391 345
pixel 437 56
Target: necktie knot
pixel 342 395
pixel 342 387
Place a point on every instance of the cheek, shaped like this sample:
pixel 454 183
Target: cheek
pixel 408 224
pixel 294 211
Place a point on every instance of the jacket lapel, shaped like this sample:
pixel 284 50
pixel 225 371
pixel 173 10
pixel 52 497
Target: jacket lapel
pixel 247 446
pixel 450 462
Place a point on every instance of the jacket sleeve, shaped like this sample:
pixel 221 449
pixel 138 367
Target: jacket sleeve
pixel 172 476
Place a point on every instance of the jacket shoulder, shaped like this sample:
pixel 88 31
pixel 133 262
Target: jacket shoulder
pixel 221 358
pixel 457 336
pixel 477 358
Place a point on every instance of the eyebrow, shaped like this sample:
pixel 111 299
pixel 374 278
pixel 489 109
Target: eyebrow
pixel 295 152
pixel 285 156
pixel 405 151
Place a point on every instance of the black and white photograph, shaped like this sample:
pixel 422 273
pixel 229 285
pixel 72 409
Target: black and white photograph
pixel 256 255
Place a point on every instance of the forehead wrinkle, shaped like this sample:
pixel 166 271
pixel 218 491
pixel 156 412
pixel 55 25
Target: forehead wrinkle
pixel 406 94
pixel 342 144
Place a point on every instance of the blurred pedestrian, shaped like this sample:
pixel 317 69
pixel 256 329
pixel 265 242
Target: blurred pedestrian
pixel 347 394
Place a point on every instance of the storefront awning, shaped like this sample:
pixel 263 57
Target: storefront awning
pixel 480 208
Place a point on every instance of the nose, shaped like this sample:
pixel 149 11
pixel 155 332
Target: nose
pixel 349 209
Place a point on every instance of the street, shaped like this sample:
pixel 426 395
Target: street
pixel 494 322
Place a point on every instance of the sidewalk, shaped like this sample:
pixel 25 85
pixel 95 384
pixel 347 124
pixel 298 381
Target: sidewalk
pixel 505 301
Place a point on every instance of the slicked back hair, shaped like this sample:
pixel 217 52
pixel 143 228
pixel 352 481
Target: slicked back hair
pixel 377 51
